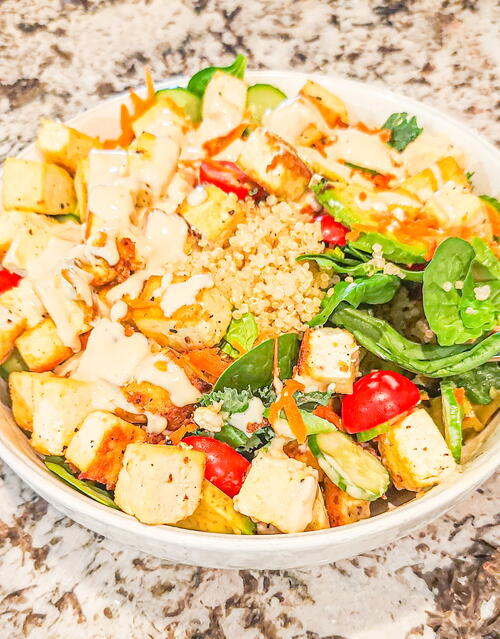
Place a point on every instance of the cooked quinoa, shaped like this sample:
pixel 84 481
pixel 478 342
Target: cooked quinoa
pixel 257 270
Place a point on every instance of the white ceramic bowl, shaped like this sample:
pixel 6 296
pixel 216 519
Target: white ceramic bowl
pixel 373 105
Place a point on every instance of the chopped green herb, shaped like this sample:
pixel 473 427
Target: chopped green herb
pixel 403 130
pixel 469 175
pixel 364 169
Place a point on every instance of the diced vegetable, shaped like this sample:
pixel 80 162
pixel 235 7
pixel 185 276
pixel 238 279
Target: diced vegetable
pixel 8 280
pixel 453 415
pixel 403 130
pixel 333 232
pixel 198 83
pixel 262 98
pixel 188 101
pixel 480 383
pixel 13 364
pixel 225 468
pixel 349 466
pixel 377 398
pixel 228 177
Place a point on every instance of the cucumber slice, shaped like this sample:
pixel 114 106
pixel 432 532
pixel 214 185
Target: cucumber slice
pixel 314 424
pixel 349 466
pixel 366 435
pixel 68 217
pixel 262 98
pixel 188 101
pixel 14 363
pixel 453 417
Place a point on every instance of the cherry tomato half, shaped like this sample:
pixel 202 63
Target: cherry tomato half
pixel 377 398
pixel 225 468
pixel 228 177
pixel 333 232
pixel 8 280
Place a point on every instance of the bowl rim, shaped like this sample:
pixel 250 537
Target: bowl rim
pixel 437 498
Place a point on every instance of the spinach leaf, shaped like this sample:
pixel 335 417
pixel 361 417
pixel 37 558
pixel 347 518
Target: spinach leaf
pixel 377 289
pixel 403 130
pixel 432 360
pixel 241 332
pixel 198 83
pixel 486 257
pixel 232 436
pixel 480 382
pixel 233 401
pixel 58 466
pixel 339 265
pixel 255 368
pixel 257 440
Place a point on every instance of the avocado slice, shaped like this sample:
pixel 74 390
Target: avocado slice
pixel 216 513
pixel 339 201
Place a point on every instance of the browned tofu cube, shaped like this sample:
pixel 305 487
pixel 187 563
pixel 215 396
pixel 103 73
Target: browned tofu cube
pixel 41 348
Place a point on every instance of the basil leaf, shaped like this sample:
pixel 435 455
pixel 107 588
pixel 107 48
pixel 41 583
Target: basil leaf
pixel 480 382
pixel 59 467
pixel 255 369
pixel 403 130
pixel 198 83
pixel 242 332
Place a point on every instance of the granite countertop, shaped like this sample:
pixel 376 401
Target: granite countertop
pixel 57 579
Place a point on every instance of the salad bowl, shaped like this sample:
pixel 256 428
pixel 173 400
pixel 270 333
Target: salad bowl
pixel 481 454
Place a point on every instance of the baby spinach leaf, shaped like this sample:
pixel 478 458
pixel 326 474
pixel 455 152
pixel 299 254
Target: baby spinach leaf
pixel 241 332
pixel 255 368
pixel 198 83
pixel 432 360
pixel 59 467
pixel 486 257
pixel 403 130
pixel 377 289
pixel 480 382
pixel 232 436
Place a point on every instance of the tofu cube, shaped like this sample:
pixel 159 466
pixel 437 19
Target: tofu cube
pixel 23 301
pixel 343 509
pixel 81 177
pixel 31 234
pixel 152 161
pixel 40 187
pixel 415 453
pixel 280 491
pixel 21 395
pixel 273 163
pixel 59 407
pixel 165 119
pixel 454 206
pixel 331 107
pixel 41 347
pixel 62 145
pixel 328 358
pixel 216 217
pixel 98 447
pixel 319 520
pixel 224 94
pixel 160 484
pixel 11 327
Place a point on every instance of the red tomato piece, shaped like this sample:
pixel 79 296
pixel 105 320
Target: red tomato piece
pixel 8 280
pixel 228 177
pixel 376 399
pixel 333 232
pixel 225 468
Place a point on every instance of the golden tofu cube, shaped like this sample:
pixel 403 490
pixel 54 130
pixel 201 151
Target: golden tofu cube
pixel 21 395
pixel 12 326
pixel 331 107
pixel 273 164
pixel 152 161
pixel 59 407
pixel 62 145
pixel 343 509
pixel 320 516
pixel 328 357
pixel 23 301
pixel 415 453
pixel 98 447
pixel 164 118
pixel 81 177
pixel 40 187
pixel 160 484
pixel 217 217
pixel 41 347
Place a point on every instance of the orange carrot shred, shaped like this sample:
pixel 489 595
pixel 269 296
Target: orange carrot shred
pixel 325 412
pixel 177 435
pixel 286 402
pixel 208 361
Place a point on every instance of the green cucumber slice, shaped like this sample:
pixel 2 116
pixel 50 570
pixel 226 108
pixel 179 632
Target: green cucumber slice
pixel 14 363
pixel 262 98
pixel 188 101
pixel 349 466
pixel 68 217
pixel 314 424
pixel 453 417
pixel 366 435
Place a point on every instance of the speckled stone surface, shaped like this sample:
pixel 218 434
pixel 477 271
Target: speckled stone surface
pixel 58 579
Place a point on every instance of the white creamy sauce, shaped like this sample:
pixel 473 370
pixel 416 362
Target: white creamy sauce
pixel 165 124
pixel 156 423
pixel 156 171
pixel 111 355
pixel 118 311
pixel 179 188
pixel 159 370
pixel 253 414
pixel 197 196
pixel 362 149
pixel 183 293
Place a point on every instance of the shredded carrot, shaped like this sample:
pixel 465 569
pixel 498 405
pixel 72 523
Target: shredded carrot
pixel 177 435
pixel 208 361
pixel 325 412
pixel 212 147
pixel 286 402
pixel 459 395
pixel 241 349
pixel 140 105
